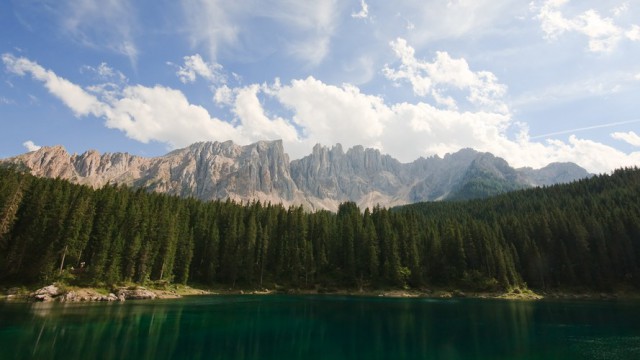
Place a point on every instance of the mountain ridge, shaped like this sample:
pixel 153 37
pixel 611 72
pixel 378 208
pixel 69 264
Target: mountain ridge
pixel 321 180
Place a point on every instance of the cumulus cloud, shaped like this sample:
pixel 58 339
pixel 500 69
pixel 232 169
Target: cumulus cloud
pixel 255 124
pixel 223 95
pixel 162 114
pixel 142 113
pixel 330 114
pixel 363 13
pixel 634 33
pixel 445 73
pixel 603 33
pixel 195 66
pixel 30 146
pixel 629 137
pixel 317 112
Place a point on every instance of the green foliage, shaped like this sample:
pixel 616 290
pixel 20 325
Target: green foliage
pixel 581 235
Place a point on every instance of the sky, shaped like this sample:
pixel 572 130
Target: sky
pixel 532 82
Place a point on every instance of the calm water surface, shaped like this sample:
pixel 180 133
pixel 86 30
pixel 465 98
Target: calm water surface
pixel 321 327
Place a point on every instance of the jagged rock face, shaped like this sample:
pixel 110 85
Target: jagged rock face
pixel 221 170
pixel 554 173
pixel 331 173
pixel 203 170
pixel 321 180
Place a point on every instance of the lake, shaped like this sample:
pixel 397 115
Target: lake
pixel 321 327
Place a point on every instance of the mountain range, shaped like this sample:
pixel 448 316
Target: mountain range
pixel 322 180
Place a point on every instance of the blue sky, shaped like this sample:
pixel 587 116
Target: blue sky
pixel 532 82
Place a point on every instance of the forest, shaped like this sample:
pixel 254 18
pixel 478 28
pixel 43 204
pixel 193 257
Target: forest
pixel 583 235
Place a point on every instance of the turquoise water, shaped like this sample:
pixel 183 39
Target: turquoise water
pixel 321 327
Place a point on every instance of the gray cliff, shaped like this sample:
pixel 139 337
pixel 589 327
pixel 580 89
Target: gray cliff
pixel 321 180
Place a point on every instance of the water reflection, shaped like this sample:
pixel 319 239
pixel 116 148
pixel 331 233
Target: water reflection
pixel 278 327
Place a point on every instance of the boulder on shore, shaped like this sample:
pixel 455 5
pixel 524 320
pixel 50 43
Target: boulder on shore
pixel 47 293
pixel 137 293
pixel 54 293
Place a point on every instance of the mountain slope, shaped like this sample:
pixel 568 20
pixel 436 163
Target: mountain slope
pixel 321 180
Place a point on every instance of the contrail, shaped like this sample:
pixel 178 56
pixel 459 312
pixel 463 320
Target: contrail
pixel 585 128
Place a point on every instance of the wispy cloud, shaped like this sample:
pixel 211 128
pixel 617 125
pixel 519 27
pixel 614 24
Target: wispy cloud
pixel 106 24
pixel 6 101
pixel 305 28
pixel 593 127
pixel 603 32
pixel 363 13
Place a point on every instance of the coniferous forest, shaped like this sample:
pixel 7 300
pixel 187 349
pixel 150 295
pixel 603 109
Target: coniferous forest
pixel 583 235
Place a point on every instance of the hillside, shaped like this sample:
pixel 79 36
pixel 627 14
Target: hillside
pixel 583 235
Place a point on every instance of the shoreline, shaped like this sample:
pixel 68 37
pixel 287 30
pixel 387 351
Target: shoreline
pixel 63 293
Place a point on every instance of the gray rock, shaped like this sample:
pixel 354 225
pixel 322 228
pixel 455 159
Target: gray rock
pixel 321 180
pixel 47 293
pixel 70 296
pixel 138 293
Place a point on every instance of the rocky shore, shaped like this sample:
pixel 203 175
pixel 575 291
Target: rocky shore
pixel 59 293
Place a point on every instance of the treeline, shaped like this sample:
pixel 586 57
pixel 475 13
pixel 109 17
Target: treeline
pixel 582 235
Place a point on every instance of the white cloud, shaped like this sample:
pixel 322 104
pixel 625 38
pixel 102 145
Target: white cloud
pixel 103 24
pixel 634 33
pixel 445 73
pixel 360 70
pixel 223 95
pixel 620 9
pixel 304 28
pixel 320 113
pixel 6 101
pixel 255 124
pixel 330 114
pixel 106 73
pixel 603 33
pixel 363 13
pixel 195 66
pixel 453 19
pixel 72 95
pixel 163 114
pixel 629 137
pixel 30 146
pixel 606 83
pixel 211 23
pixel 142 113
pixel 311 51
pixel 315 21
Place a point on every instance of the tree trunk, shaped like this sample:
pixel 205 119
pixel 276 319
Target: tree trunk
pixel 64 254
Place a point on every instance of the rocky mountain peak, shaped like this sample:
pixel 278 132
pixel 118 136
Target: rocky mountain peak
pixel 323 179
